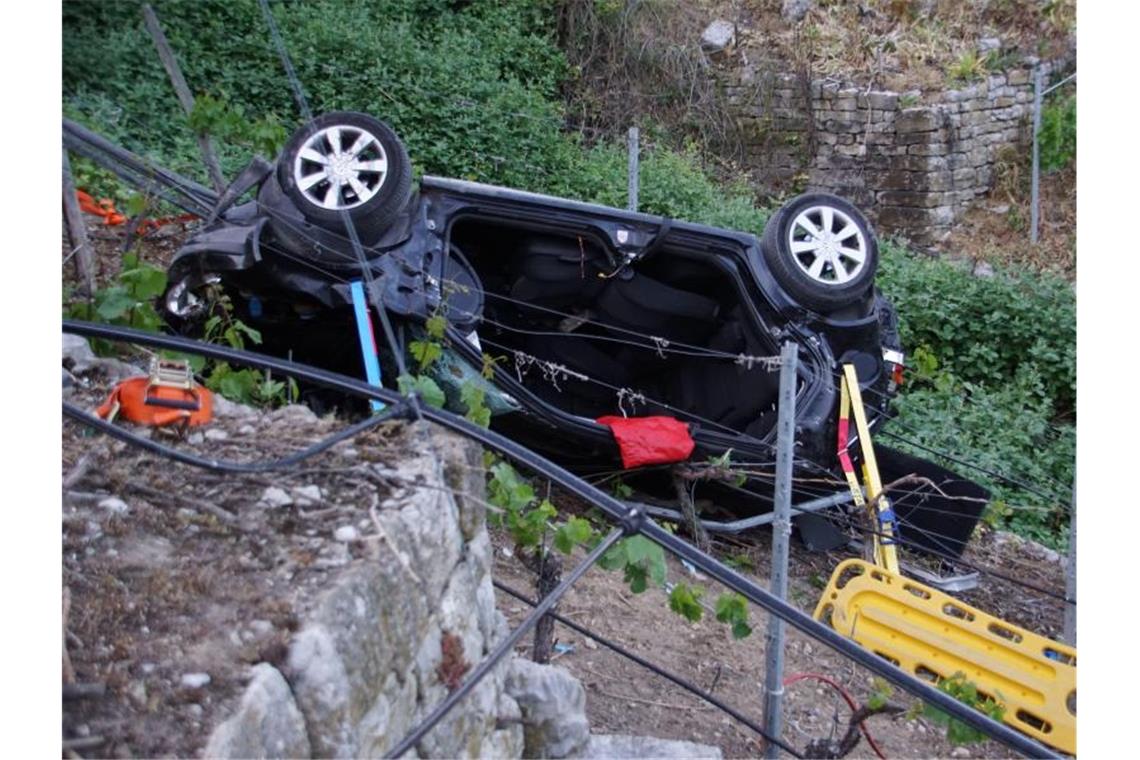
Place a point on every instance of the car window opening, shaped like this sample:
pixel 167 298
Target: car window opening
pixel 676 296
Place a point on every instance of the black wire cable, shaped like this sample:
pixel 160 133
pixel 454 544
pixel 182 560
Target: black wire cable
pixel 393 411
pixel 678 680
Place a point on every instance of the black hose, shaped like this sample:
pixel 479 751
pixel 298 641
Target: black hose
pixel 218 465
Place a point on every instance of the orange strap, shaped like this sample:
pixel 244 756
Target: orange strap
pixel 143 403
pixel 105 208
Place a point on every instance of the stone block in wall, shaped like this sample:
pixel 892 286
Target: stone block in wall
pixel 827 161
pixel 965 132
pixel 965 175
pixel 1004 101
pixel 553 705
pixel 1015 134
pixel 917 138
pixel 977 116
pixel 919 163
pixel 928 149
pixel 879 138
pixel 267 722
pixel 844 104
pixel 895 179
pixel 996 80
pixel 825 115
pixel 908 198
pixel 917 119
pixel 883 101
pixel 910 217
pixel 1020 76
pixel 958 160
pixel 835 125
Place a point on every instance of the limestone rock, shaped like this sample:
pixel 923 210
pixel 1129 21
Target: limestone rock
pixel 718 36
pixel 224 408
pixel 81 360
pixel 276 497
pixel 623 746
pixel 77 353
pixel 297 414
pixel 306 496
pixel 267 722
pixel 553 705
pixel 793 11
pixel 987 45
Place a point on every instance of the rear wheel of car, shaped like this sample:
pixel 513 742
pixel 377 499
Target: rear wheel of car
pixel 346 162
pixel 821 250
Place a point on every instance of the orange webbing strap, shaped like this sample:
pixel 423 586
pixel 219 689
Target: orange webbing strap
pixel 156 402
pixel 105 208
pixel 883 550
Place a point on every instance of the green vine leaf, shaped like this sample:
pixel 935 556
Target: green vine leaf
pixel 436 325
pixel 424 387
pixel 574 532
pixel 425 352
pixel 732 608
pixel 685 600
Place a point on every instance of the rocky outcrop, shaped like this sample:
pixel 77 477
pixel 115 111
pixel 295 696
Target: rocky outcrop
pixel 553 706
pixel 381 647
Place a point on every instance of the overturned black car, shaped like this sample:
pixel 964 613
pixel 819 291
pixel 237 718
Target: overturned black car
pixel 576 312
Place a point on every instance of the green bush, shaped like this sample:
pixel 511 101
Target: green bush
pixel 1058 136
pixel 992 380
pixel 984 329
pixel 1008 429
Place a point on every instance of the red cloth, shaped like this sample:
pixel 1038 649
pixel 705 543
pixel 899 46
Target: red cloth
pixel 650 440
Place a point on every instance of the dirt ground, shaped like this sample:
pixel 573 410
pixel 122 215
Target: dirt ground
pixel 996 230
pixel 623 697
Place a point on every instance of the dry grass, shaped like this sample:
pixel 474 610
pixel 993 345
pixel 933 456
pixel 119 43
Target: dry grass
pixel 910 44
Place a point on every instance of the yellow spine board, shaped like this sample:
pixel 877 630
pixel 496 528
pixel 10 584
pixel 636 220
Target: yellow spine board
pixel 933 635
pixel 850 398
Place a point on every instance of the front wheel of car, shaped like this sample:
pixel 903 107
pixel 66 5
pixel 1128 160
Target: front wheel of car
pixel 346 163
pixel 821 250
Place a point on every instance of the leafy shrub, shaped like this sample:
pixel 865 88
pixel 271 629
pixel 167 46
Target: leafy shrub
pixel 1058 137
pixel 984 329
pixel 1005 429
pixel 993 381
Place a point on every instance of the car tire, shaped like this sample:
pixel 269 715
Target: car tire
pixel 346 162
pixel 821 249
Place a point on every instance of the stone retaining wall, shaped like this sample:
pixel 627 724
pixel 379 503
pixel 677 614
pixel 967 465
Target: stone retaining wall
pixel 912 162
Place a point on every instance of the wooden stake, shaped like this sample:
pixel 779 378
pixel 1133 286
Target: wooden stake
pixel 77 230
pixel 183 91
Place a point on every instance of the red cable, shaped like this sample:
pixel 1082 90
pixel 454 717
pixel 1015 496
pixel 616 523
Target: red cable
pixel 850 703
